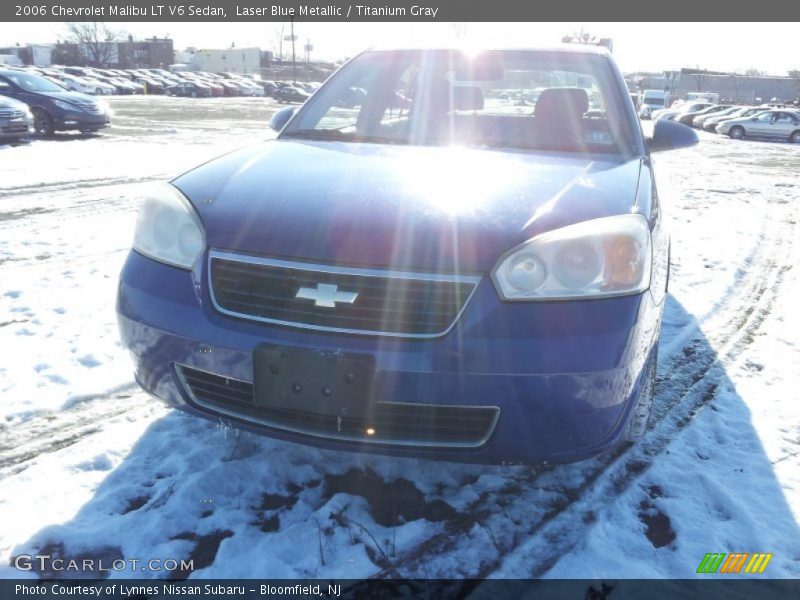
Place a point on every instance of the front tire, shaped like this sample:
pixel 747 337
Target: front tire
pixel 736 133
pixel 795 137
pixel 43 122
pixel 640 415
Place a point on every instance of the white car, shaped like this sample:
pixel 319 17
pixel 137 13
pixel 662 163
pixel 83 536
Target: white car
pixel 745 111
pixel 252 88
pixel 75 84
pixel 100 87
pixel 777 124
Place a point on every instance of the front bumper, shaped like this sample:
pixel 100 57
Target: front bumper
pixel 15 129
pixel 71 120
pixel 562 374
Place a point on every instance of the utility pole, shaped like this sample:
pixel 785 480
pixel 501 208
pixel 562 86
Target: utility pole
pixel 294 71
pixel 292 38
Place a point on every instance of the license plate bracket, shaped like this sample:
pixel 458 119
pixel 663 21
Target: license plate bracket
pixel 324 383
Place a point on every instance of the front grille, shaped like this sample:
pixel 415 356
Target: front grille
pixel 421 425
pixel 388 302
pixel 12 114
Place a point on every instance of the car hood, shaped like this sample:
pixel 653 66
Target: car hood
pixel 446 209
pixel 11 103
pixel 71 97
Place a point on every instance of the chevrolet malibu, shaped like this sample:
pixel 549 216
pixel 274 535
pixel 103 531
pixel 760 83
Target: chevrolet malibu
pixel 434 270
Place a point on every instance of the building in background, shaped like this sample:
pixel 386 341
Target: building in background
pixel 731 87
pixel 245 61
pixel 153 53
pixel 10 58
pixel 29 54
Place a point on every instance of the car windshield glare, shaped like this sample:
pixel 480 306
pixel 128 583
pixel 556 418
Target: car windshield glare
pixel 561 101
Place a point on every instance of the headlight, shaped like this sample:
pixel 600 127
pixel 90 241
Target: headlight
pixel 594 259
pixel 168 229
pixel 65 105
pixel 104 107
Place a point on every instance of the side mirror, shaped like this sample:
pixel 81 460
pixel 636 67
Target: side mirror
pixel 280 118
pixel 671 135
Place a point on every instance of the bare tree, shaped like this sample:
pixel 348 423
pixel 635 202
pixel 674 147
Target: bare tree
pixel 580 37
pixel 700 79
pixel 753 72
pixel 277 39
pixel 95 41
pixel 460 30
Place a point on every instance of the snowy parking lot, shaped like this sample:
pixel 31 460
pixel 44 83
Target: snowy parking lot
pixel 90 466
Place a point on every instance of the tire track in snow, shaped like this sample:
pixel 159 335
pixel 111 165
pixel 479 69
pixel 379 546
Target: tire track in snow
pixel 72 185
pixel 53 430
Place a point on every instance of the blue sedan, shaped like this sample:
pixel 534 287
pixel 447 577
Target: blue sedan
pixel 467 263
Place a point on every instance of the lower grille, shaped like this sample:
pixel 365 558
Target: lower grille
pixel 420 425
pixel 21 128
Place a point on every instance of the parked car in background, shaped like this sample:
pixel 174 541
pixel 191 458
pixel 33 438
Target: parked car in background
pixel 249 87
pixel 151 86
pixel 16 120
pixel 189 88
pixel 673 114
pixel 773 124
pixel 216 87
pixel 710 124
pixel 79 84
pixel 105 88
pixel 269 87
pixel 700 120
pixel 289 94
pixel 688 118
pixel 53 107
pixel 458 281
pixel 229 87
pixel 652 100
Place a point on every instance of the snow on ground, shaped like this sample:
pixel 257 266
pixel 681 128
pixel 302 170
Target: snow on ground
pixel 92 467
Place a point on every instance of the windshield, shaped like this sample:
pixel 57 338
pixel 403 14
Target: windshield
pixel 31 83
pixel 654 101
pixel 518 99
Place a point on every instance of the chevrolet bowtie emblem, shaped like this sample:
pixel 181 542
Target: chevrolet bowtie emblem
pixel 326 294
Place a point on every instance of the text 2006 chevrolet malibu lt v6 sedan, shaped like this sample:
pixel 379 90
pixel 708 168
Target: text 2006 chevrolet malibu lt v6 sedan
pixel 469 263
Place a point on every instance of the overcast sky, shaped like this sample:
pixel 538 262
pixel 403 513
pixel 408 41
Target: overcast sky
pixel 770 47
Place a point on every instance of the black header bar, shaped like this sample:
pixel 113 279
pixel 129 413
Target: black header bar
pixel 396 10
pixel 710 588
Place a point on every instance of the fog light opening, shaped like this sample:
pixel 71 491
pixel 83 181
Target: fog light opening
pixel 370 431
